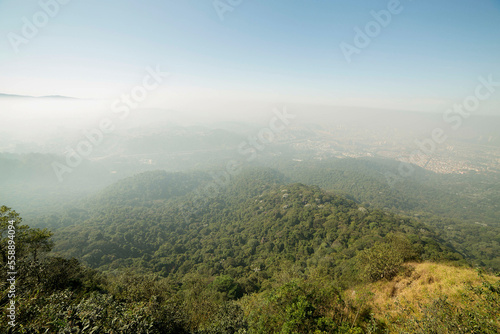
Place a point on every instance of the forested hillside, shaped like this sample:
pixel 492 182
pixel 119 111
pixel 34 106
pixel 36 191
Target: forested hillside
pixel 469 197
pixel 464 209
pixel 245 230
pixel 289 259
pixel 257 252
pixel 189 253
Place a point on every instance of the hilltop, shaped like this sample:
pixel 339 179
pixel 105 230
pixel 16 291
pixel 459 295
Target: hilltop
pixel 167 252
pixel 163 223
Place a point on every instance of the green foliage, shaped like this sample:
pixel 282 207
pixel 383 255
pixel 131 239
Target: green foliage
pixel 300 306
pixel 384 260
pixel 149 186
pixel 63 312
pixel 461 208
pixel 228 319
pixel 228 286
pixel 21 247
pixel 255 256
pixel 245 231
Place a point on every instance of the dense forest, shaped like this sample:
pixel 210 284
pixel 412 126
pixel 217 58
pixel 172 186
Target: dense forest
pixel 254 224
pixel 464 209
pixel 164 202
pixel 260 253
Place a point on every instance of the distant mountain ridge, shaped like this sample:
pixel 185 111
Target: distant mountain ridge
pixel 3 95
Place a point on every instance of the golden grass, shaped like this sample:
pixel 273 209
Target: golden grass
pixel 418 285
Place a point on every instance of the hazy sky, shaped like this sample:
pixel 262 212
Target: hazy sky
pixel 430 54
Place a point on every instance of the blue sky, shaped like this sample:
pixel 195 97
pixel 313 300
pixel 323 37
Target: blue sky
pixel 428 56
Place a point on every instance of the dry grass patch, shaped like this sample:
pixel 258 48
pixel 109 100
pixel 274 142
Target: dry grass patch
pixel 418 286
